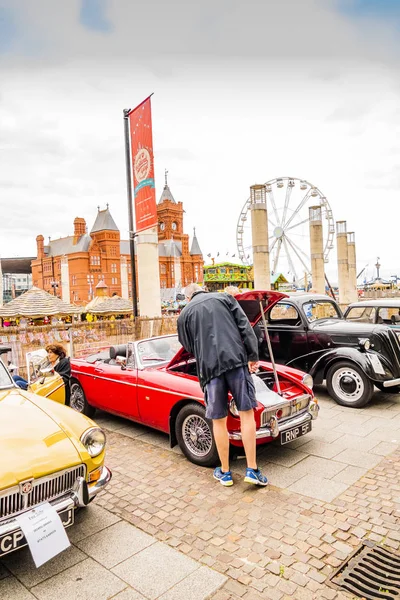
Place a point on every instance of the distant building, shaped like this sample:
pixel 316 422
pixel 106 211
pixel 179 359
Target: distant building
pixel 16 277
pixel 72 266
pixel 219 276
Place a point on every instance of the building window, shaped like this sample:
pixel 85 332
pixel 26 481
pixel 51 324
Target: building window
pixel 114 281
pixel 113 251
pixel 114 268
pixel 73 279
pixel 95 260
pixel 196 272
pixel 163 269
pixel 90 278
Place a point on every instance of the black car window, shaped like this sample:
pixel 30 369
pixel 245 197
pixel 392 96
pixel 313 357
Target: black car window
pixel 363 314
pixel 320 309
pixel 284 314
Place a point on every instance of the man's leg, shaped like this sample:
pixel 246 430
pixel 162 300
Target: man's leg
pixel 222 442
pixel 248 428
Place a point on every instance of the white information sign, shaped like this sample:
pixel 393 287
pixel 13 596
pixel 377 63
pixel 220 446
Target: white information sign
pixel 44 532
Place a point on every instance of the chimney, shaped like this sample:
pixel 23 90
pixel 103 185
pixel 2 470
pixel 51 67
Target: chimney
pixel 40 246
pixel 79 228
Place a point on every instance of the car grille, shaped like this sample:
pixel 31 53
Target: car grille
pixel 292 408
pixel 12 501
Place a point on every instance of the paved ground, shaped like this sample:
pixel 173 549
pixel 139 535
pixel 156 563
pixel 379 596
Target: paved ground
pixel 165 529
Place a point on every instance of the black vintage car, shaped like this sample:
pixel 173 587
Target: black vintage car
pixel 308 332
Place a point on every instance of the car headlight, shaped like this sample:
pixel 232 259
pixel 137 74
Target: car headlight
pixel 94 440
pixel 233 408
pixel 365 344
pixel 308 381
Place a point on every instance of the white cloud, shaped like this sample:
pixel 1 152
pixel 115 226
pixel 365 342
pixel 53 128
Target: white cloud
pixel 244 92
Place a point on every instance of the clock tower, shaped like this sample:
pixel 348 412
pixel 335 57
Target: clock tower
pixel 170 216
pixel 178 265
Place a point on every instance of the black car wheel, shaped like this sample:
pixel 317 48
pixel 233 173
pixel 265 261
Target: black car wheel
pixel 195 436
pixel 348 385
pixel 78 400
pixel 395 389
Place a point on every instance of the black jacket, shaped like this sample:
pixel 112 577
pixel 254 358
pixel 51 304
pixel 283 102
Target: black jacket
pixel 63 368
pixel 214 328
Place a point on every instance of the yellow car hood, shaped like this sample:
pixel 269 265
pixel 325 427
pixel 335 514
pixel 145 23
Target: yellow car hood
pixel 32 444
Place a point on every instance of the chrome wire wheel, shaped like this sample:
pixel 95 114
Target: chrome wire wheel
pixel 77 400
pixel 197 435
pixel 348 384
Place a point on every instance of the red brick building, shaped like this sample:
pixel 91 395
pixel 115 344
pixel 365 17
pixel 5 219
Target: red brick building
pixel 72 266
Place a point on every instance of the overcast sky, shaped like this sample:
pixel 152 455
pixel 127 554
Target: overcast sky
pixel 244 91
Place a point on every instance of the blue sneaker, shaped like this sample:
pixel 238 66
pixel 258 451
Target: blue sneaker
pixel 224 478
pixel 256 477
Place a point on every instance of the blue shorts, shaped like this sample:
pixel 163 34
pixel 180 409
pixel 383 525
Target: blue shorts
pixel 239 383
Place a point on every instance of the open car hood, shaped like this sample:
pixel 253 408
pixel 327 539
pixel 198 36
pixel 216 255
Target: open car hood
pixel 250 303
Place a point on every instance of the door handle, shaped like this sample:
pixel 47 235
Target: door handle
pixel 99 370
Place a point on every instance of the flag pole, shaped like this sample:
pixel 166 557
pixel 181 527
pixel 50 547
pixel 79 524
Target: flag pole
pixel 132 234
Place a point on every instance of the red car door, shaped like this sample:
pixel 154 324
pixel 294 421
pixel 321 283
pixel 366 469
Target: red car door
pixel 117 389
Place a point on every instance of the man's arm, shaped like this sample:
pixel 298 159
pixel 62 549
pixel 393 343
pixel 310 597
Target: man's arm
pixel 183 337
pixel 246 331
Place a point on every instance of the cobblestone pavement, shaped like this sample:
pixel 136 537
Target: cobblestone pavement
pixel 165 529
pixel 331 489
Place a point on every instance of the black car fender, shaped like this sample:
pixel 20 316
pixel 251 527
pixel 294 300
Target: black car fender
pixel 326 360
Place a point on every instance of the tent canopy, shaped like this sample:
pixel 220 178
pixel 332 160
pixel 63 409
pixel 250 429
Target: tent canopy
pixel 36 303
pixel 103 305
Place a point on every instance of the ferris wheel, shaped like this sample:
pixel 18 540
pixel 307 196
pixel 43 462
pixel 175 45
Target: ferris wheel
pixel 288 201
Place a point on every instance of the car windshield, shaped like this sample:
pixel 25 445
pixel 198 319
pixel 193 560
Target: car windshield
pixel 320 309
pixel 5 377
pixel 158 350
pixel 38 365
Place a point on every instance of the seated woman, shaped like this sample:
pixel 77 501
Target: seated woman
pixel 60 362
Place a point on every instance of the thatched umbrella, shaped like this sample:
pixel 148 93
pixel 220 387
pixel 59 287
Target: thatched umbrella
pixel 35 304
pixel 106 306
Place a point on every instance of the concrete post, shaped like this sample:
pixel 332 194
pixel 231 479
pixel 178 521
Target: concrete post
pixel 317 250
pixel 65 290
pixel 148 273
pixel 343 262
pixel 351 251
pixel 259 230
pixel 124 278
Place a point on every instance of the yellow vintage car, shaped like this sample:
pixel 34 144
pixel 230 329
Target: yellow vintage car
pixel 49 453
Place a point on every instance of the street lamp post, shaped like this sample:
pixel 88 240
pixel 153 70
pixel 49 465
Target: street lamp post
pixel 54 285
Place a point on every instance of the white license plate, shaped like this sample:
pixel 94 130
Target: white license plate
pixel 16 539
pixel 296 432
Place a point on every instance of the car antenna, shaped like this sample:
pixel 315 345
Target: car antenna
pixel 278 385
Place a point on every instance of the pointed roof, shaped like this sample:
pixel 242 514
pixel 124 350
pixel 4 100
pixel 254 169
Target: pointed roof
pixel 195 249
pixel 166 194
pixel 104 221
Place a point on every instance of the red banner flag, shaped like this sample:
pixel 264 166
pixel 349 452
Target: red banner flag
pixel 143 166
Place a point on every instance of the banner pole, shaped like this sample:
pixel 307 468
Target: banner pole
pixel 126 113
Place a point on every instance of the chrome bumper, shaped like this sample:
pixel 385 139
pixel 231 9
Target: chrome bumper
pixel 391 382
pixel 267 432
pixel 73 499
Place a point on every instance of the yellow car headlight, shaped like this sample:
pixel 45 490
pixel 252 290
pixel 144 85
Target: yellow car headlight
pixel 94 440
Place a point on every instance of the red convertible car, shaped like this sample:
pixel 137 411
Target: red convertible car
pixel 154 382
